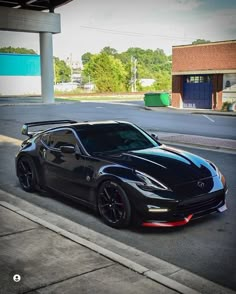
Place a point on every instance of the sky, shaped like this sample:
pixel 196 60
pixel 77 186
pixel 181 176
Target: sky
pixel 90 25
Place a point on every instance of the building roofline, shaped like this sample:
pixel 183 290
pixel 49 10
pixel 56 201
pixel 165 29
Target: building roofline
pixel 203 72
pixel 205 44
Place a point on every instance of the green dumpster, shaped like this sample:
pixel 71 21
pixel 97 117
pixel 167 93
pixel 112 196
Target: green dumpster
pixel 157 99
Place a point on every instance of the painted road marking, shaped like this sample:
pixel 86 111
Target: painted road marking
pixel 6 139
pixel 208 118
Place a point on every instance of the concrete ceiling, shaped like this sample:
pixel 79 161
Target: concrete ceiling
pixel 38 5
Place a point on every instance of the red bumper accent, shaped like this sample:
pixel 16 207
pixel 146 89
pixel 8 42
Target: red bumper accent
pixel 168 224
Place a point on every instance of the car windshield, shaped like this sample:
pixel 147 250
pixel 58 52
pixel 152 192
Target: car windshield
pixel 113 138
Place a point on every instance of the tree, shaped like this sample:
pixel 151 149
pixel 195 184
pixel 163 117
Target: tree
pixel 17 50
pixel 150 64
pixel 107 72
pixel 108 50
pixel 200 41
pixel 86 58
pixel 62 71
pixel 163 81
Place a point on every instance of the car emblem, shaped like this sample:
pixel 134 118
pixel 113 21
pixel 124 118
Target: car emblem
pixel 200 184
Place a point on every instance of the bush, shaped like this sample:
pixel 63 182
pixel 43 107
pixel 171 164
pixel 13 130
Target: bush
pixel 226 105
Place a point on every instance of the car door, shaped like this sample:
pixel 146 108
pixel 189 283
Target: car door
pixel 65 172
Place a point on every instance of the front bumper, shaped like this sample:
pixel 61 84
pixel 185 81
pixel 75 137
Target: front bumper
pixel 185 220
pixel 167 224
pixel 177 207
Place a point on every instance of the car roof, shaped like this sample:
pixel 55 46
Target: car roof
pixel 102 122
pixel 87 124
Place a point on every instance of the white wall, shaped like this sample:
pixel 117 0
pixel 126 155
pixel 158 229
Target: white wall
pixel 229 87
pixel 20 85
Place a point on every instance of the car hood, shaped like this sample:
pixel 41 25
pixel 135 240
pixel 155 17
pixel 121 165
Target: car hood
pixel 169 165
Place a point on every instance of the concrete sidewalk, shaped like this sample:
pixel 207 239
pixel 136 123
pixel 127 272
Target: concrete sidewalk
pixel 51 260
pixel 198 141
pixel 54 255
pixel 191 111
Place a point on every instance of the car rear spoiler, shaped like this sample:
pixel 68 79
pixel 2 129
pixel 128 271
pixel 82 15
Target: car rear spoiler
pixel 26 126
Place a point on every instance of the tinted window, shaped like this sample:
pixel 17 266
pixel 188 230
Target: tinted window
pixel 61 138
pixel 114 138
pixel 45 138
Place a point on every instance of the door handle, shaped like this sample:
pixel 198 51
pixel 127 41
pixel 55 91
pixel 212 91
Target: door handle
pixel 44 153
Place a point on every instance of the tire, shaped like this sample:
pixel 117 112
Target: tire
pixel 27 174
pixel 113 205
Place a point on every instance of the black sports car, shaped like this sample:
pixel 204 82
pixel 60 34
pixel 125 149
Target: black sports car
pixel 118 169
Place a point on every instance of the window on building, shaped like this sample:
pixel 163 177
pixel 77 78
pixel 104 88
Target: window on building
pixel 198 79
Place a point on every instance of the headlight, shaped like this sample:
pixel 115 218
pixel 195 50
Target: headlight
pixel 215 168
pixel 219 174
pixel 157 209
pixel 148 183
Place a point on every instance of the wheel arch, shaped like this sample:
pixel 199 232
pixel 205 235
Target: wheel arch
pixel 32 159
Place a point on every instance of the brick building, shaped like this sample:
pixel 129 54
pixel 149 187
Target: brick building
pixel 204 75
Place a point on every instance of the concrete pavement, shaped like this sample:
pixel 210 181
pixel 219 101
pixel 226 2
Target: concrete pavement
pixel 198 141
pixel 192 111
pixel 52 258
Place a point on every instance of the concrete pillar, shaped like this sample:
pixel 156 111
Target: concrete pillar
pixel 47 73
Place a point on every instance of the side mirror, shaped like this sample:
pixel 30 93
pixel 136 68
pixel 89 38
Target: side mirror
pixel 67 149
pixel 24 130
pixel 155 137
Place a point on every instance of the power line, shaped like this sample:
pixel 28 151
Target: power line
pixel 135 34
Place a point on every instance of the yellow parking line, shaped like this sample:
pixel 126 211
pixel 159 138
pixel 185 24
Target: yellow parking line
pixel 9 140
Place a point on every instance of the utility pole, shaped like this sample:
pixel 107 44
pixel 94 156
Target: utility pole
pixel 133 73
pixel 71 69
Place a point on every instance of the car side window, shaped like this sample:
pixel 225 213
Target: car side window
pixel 45 139
pixel 61 138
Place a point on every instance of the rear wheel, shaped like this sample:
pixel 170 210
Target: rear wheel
pixel 27 174
pixel 114 205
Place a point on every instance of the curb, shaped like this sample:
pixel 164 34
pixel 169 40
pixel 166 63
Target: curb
pixel 181 110
pixel 232 114
pixel 196 141
pixel 160 279
pixel 199 146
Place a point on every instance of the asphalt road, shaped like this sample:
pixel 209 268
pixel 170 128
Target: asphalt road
pixel 162 120
pixel 205 247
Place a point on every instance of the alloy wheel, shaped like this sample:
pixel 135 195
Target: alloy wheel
pixel 113 205
pixel 26 174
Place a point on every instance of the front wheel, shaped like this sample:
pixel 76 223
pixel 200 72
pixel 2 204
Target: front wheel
pixel 113 205
pixel 27 174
